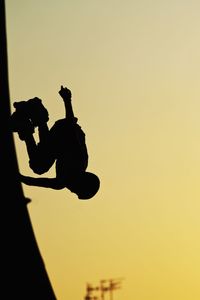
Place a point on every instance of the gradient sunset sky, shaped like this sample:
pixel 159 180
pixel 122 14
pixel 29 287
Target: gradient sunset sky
pixel 133 67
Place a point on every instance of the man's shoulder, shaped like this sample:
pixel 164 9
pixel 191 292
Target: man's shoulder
pixel 67 124
pixel 66 121
pixel 60 121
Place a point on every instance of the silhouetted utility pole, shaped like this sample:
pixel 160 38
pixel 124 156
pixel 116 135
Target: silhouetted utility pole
pixel 23 273
pixel 106 285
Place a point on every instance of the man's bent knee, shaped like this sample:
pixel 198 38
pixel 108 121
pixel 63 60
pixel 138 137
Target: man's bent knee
pixel 38 168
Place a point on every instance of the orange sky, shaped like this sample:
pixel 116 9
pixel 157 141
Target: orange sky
pixel 134 71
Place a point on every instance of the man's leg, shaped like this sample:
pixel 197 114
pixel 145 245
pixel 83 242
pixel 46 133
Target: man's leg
pixel 20 121
pixel 28 115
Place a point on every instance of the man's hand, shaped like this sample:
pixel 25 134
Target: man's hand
pixel 65 93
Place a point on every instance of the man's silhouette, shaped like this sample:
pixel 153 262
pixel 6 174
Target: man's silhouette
pixel 63 144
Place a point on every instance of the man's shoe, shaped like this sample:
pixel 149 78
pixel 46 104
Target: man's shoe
pixel 37 112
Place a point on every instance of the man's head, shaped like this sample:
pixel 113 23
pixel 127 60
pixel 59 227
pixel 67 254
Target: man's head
pixel 86 185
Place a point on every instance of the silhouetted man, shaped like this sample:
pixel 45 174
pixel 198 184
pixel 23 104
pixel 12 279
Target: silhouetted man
pixel 63 144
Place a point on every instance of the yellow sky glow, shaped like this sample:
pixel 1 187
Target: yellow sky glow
pixel 134 71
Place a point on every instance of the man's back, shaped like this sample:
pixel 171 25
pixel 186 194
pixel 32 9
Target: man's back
pixel 67 140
